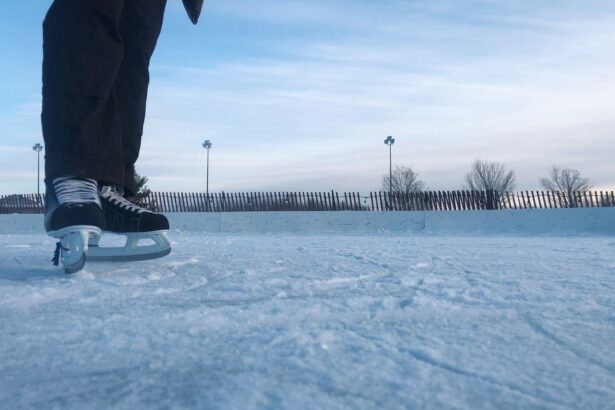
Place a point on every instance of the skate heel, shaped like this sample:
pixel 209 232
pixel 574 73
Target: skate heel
pixel 73 246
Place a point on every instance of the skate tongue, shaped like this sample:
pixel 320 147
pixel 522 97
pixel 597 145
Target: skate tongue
pixel 112 190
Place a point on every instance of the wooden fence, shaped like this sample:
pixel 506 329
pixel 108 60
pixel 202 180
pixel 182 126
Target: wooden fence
pixel 347 201
pixel 22 204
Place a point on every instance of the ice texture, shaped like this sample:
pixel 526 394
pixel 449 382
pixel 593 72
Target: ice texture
pixel 313 321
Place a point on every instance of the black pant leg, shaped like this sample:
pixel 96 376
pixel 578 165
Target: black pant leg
pixel 83 50
pixel 140 29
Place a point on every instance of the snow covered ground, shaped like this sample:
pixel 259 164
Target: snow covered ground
pixel 313 320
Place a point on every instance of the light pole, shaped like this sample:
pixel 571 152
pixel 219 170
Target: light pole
pixel 38 148
pixel 207 145
pixel 390 141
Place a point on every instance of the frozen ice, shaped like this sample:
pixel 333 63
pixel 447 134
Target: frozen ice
pixel 306 321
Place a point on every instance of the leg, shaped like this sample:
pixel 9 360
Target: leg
pixel 83 50
pixel 140 28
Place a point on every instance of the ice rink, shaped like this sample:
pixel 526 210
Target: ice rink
pixel 309 321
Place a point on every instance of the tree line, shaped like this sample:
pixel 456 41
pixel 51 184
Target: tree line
pixel 489 176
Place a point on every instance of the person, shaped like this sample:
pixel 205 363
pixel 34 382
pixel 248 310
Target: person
pixel 96 57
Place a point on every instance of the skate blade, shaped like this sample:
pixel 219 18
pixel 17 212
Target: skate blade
pixel 73 245
pixel 131 251
pixel 74 268
pixel 103 256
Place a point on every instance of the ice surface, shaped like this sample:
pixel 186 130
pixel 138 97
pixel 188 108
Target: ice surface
pixel 307 321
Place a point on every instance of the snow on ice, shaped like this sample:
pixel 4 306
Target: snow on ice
pixel 306 321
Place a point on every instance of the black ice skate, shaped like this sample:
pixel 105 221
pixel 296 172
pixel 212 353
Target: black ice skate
pixel 73 214
pixel 138 224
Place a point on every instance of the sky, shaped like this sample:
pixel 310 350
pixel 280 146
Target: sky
pixel 299 95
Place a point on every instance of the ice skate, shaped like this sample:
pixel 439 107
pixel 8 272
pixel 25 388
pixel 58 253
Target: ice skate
pixel 137 224
pixel 73 214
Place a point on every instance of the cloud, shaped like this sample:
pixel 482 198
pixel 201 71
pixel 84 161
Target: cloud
pixel 445 107
pixel 307 92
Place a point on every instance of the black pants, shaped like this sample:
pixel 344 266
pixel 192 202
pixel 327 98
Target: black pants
pixel 95 80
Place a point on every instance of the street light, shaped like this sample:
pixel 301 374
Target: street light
pixel 207 145
pixel 390 141
pixel 38 148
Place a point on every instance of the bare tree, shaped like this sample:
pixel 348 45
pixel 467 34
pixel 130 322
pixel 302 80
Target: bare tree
pixel 565 180
pixel 404 180
pixel 490 176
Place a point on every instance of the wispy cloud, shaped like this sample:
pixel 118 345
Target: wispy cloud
pixel 302 94
pixel 520 89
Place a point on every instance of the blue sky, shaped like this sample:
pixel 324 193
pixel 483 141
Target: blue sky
pixel 299 95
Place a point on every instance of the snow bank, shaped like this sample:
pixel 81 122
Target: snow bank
pixel 525 221
pixel 585 221
pixel 534 221
pixel 16 223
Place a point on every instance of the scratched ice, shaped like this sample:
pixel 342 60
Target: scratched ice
pixel 313 321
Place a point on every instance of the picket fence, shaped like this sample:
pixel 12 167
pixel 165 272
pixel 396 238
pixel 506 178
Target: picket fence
pixel 346 201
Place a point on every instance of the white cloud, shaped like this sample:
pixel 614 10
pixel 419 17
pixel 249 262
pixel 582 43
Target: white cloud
pixel 517 82
pixel 344 97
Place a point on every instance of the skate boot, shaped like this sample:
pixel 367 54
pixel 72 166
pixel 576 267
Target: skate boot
pixel 137 224
pixel 74 215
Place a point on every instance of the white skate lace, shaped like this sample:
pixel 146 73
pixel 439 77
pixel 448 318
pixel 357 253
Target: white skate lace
pixel 74 190
pixel 112 195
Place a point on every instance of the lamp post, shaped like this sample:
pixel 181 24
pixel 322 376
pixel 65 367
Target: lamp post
pixel 207 145
pixel 390 141
pixel 38 148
